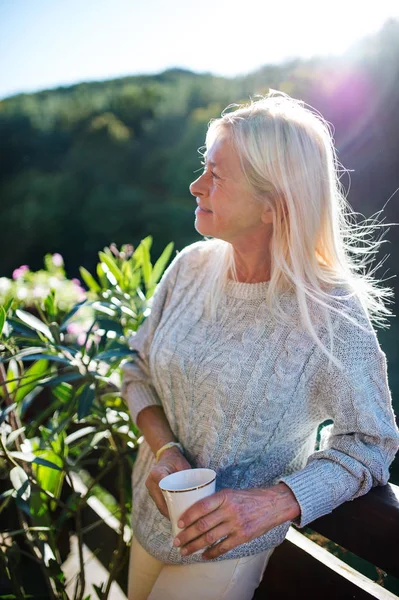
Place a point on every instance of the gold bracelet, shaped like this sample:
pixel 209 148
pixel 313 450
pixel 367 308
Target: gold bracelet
pixel 165 447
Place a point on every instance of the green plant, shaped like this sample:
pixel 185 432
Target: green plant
pixel 62 415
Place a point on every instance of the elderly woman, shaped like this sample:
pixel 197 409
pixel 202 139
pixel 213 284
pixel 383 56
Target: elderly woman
pixel 257 335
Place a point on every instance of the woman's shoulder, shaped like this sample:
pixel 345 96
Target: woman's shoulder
pixel 348 306
pixel 198 250
pixel 195 255
pixel 186 265
pixel 355 338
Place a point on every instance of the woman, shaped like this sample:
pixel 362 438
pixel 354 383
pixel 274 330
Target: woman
pixel 257 335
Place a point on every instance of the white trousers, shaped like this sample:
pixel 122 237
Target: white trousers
pixel 232 579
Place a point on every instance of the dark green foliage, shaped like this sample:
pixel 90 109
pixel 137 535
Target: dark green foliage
pixel 62 418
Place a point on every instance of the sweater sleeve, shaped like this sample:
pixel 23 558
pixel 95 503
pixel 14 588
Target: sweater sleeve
pixel 136 387
pixel 361 444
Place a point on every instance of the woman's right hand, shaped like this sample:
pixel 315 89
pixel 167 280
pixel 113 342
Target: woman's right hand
pixel 171 461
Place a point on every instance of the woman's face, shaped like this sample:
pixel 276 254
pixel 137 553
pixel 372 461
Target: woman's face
pixel 226 208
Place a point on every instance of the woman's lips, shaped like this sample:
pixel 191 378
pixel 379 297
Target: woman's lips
pixel 202 211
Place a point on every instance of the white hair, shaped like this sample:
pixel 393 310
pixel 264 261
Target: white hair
pixel 290 163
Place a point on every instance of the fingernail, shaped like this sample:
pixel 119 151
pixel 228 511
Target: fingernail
pixel 180 524
pixel 176 542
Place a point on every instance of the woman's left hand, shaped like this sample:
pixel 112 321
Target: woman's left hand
pixel 238 516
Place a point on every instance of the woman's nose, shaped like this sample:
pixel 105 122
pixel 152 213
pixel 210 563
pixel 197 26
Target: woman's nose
pixel 196 187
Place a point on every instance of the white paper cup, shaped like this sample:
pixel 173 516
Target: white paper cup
pixel 183 489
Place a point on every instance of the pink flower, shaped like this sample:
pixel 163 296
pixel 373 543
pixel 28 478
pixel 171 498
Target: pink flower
pixel 17 273
pixel 58 261
pixel 81 295
pixel 81 292
pixel 74 328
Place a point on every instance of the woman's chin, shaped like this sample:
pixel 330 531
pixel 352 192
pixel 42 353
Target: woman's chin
pixel 202 229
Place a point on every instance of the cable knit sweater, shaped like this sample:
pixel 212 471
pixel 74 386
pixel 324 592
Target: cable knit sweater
pixel 245 397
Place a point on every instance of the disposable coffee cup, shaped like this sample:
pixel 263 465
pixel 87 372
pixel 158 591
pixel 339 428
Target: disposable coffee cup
pixel 183 489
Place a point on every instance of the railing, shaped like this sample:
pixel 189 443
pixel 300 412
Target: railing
pixel 367 526
pixel 300 568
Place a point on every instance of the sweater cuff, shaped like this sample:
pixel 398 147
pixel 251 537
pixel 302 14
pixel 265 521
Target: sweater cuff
pixel 310 490
pixel 139 396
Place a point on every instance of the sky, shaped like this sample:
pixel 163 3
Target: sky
pixel 50 43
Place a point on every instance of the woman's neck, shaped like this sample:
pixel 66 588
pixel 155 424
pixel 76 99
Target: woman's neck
pixel 252 268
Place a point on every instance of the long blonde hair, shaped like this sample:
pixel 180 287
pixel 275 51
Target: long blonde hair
pixel 289 160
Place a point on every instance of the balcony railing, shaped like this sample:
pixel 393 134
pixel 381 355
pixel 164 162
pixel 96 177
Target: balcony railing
pixel 299 568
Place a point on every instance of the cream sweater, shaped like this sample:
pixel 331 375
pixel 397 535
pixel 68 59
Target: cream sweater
pixel 245 397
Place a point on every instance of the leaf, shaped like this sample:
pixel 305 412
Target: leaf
pixel 147 242
pixel 110 277
pixel 128 311
pixel 14 435
pixel 101 276
pixel 5 499
pixel 23 505
pixel 20 482
pixel 51 357
pixel 50 305
pixel 134 282
pixel 141 258
pixel 106 308
pixel 22 329
pixel 160 265
pixel 89 280
pixel 8 304
pixel 99 436
pixel 112 266
pixel 29 398
pixel 137 257
pixel 115 345
pixel 76 435
pixel 38 460
pixel 110 325
pixel 6 494
pixel 99 590
pixel 116 353
pixel 63 392
pixel 2 318
pixel 127 272
pixel 23 353
pixel 85 401
pixel 55 332
pixel 65 321
pixel 38 505
pixel 49 472
pixel 12 375
pixel 30 379
pixel 146 265
pixel 34 323
pixel 4 413
pixel 68 349
pixel 62 378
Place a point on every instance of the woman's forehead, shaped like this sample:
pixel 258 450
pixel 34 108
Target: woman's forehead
pixel 221 153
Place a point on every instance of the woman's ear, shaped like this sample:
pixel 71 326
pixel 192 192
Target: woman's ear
pixel 267 216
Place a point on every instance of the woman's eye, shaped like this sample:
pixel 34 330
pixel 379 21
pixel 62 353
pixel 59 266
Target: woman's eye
pixel 203 163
